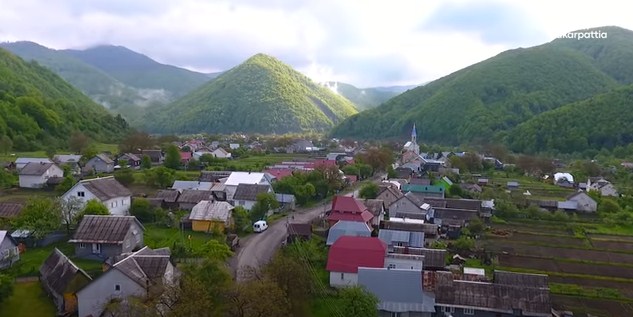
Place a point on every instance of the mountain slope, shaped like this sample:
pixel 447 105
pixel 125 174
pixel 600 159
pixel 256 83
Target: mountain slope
pixel 261 95
pixel 363 98
pixel 39 109
pixel 481 101
pixel 139 71
pixel 602 121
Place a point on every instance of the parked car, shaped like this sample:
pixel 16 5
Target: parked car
pixel 260 226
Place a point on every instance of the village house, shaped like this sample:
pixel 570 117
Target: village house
pixel 20 162
pixel 195 185
pixel 347 228
pixel 388 193
pixel 38 175
pixel 583 201
pixel 211 216
pixel 9 252
pixel 101 237
pixel 185 157
pixel 61 279
pixel 237 178
pixel 400 261
pixel 157 157
pixel 512 185
pixel 166 199
pixel 100 163
pixel 399 292
pixel 221 153
pixel 564 180
pixel 401 238
pixel 430 230
pixel 377 209
pixel 9 210
pixel 298 231
pixel 70 160
pixel 143 274
pixel 191 197
pixel 349 253
pixel 424 190
pixel 130 160
pixel 350 209
pixel 409 206
pixel 107 190
pixel 603 186
pixel 301 146
pixel 246 194
pixel 508 294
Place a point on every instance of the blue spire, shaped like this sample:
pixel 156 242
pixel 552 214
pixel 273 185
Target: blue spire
pixel 414 134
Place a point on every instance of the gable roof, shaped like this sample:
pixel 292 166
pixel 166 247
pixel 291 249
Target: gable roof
pixel 10 210
pixel 347 228
pixel 35 169
pixel 193 196
pixel 375 206
pixel 347 204
pixel 465 204
pixel 5 234
pixel 211 211
pixel 420 181
pixel 237 178
pixel 533 301
pixel 249 191
pixel 105 188
pixel 191 185
pixel 168 195
pixel 397 290
pixel 154 155
pixel 66 158
pixel 394 237
pixel 349 253
pixel 104 229
pixel 103 158
pixel 422 188
pixel 433 258
pixel 130 156
pixel 299 229
pixel 145 266
pixel 58 271
pixel 213 176
pixel 26 160
pixel 579 193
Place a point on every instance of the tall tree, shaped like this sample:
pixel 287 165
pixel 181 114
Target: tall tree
pixel 172 157
pixel 6 287
pixel 258 298
pixel 356 302
pixel 78 142
pixel 136 141
pixel 41 216
pixel 265 202
pixel 92 207
pixel 70 208
pixel 5 144
pixel 160 177
pixel 369 191
pixel 146 162
pixel 292 277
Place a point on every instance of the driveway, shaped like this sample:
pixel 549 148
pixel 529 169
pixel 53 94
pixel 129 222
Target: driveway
pixel 258 248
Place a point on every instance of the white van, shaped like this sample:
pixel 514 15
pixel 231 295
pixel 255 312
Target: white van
pixel 260 226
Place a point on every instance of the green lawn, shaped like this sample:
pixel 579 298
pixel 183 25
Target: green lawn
pixel 326 306
pixel 27 300
pixel 159 237
pixel 22 194
pixel 32 259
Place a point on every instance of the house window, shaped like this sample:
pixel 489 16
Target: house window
pixel 448 309
pixel 117 287
pixel 83 245
pixel 81 194
pixel 342 276
pixel 241 203
pixel 396 314
pixel 96 248
pixel 391 266
pixel 122 202
pixel 469 311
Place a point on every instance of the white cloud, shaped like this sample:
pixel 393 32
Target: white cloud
pixel 361 42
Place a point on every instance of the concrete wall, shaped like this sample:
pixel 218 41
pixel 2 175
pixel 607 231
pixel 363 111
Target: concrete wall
pixel 338 279
pixel 93 297
pixel 403 264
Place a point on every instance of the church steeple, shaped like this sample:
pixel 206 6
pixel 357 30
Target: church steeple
pixel 414 135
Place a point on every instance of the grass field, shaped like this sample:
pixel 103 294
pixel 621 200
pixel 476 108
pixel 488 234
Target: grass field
pixel 11 156
pixel 32 259
pixel 27 300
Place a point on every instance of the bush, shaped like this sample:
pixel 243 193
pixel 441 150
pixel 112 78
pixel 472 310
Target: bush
pixel 142 210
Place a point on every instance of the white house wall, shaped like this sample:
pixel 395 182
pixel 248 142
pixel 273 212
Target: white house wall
pixel 122 203
pixel 403 264
pixel 338 279
pixel 94 296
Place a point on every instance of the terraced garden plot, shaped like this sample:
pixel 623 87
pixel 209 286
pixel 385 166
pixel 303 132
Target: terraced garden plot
pixel 624 288
pixel 607 237
pixel 520 248
pixel 528 238
pixel 612 245
pixel 541 228
pixel 597 307
pixel 552 265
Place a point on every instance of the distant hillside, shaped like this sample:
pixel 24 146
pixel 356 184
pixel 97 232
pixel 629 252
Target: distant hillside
pixel 484 101
pixel 139 71
pixel 261 95
pixel 602 121
pixel 363 98
pixel 39 109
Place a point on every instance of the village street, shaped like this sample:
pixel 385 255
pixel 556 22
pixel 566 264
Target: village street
pixel 258 248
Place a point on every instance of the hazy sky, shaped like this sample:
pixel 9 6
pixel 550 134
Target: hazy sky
pixel 364 42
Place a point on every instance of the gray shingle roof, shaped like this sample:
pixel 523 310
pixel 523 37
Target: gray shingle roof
pixel 168 195
pixel 35 169
pixel 347 228
pixel 211 211
pixel 249 191
pixel 57 272
pixel 412 238
pixel 435 258
pixel 397 290
pixel 213 176
pixel 105 188
pixel 375 206
pixel 10 210
pixel 104 229
pixel 104 158
pixel 192 196
pixel 144 266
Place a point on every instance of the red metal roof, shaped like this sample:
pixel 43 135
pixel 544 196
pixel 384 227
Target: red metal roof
pixel 279 173
pixel 185 156
pixel 347 204
pixel 349 253
pixel 364 216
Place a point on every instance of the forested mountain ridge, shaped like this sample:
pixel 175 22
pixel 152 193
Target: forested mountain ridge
pixel 363 98
pixel 486 100
pixel 601 121
pixel 261 95
pixel 39 109
pixel 139 71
